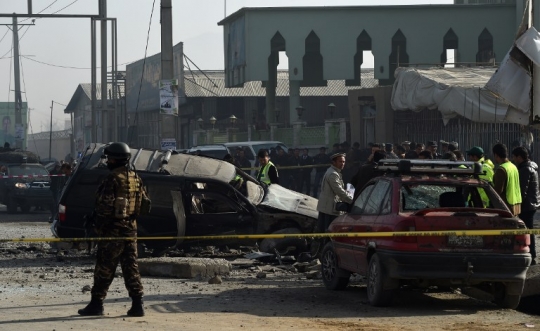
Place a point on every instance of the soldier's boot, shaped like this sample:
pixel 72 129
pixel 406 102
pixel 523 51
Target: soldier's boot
pixel 94 308
pixel 137 307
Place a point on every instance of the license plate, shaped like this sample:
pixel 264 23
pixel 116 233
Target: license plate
pixel 466 241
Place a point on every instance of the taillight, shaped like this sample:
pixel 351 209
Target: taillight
pixel 406 225
pixel 61 212
pixel 522 242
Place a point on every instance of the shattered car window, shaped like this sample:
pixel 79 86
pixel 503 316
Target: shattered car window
pixel 416 197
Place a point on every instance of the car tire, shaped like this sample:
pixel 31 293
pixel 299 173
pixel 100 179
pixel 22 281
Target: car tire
pixel 334 278
pixel 376 278
pixel 503 299
pixel 283 245
pixel 11 206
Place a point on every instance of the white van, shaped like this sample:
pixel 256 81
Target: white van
pixel 251 148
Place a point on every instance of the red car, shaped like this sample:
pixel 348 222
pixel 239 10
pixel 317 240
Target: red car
pixel 414 195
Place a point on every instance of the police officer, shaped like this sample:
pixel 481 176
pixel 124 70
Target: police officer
pixel 506 179
pixel 268 173
pixel 118 203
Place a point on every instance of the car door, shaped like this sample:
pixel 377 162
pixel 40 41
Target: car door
pixel 215 210
pixel 347 247
pixel 378 205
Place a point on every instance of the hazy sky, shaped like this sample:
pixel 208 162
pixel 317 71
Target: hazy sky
pixel 63 45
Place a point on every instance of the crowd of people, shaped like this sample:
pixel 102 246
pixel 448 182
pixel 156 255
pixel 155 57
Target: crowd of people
pixel 514 176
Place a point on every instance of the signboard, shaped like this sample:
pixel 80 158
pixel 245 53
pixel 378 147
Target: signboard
pixel 168 97
pixel 168 143
pixel 9 132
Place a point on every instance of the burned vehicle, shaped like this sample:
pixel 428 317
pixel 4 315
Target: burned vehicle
pixel 191 196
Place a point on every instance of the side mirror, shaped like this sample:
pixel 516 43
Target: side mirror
pixel 342 206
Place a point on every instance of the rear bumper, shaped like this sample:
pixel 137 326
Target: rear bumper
pixel 457 267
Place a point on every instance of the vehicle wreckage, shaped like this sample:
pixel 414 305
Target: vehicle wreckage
pixel 192 196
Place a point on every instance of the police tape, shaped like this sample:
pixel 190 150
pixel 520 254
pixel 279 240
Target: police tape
pixel 31 176
pixel 504 232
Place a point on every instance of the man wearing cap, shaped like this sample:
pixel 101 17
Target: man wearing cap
pixel 332 191
pixel 319 160
pixel 453 146
pixel 406 145
pixel 506 179
pixel 444 146
pixel 366 172
pixel 432 147
pixel 476 154
pixel 389 149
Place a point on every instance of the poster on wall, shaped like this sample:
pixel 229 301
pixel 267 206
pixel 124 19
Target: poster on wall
pixel 9 132
pixel 168 96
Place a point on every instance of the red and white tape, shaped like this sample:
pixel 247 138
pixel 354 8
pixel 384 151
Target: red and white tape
pixel 32 176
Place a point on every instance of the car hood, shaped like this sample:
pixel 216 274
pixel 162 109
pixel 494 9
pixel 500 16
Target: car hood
pixel 284 199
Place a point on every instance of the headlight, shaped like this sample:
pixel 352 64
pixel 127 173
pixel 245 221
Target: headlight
pixel 21 185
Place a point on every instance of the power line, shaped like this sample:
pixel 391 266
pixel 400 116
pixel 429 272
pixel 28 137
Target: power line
pixel 69 67
pixel 5 34
pixel 27 108
pixel 144 63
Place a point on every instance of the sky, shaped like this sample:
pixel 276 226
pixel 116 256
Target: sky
pixel 55 52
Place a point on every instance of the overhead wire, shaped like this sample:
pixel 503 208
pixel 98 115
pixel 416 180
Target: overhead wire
pixel 26 19
pixel 144 64
pixel 71 67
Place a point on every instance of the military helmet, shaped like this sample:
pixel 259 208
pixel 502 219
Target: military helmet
pixel 118 150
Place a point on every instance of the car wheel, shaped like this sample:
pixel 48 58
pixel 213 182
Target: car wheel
pixel 334 278
pixel 503 299
pixel 376 278
pixel 284 246
pixel 12 206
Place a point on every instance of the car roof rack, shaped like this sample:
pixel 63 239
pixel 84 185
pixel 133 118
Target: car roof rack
pixel 430 167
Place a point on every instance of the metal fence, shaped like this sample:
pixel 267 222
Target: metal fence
pixel 426 125
pixel 312 136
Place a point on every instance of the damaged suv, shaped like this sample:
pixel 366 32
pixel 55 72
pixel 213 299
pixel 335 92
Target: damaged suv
pixel 191 196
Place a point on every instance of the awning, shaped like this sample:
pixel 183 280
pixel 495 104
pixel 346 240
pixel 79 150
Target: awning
pixel 453 92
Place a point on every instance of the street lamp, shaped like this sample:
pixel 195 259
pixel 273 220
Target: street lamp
pixel 232 119
pixel 331 109
pixel 200 122
pixel 299 111
pixel 277 113
pixel 213 121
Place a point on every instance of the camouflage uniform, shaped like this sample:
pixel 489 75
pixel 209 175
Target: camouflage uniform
pixel 121 182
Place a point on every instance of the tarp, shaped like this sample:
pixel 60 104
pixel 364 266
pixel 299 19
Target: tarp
pixel 453 92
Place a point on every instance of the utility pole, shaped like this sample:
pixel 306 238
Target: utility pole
pixel 18 98
pixel 50 133
pixel 104 94
pixel 168 122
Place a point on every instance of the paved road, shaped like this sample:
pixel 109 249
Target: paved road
pixel 32 216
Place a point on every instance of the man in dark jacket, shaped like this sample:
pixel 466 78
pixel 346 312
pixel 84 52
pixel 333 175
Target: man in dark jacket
pixel 530 195
pixel 320 159
pixel 305 180
pixel 366 172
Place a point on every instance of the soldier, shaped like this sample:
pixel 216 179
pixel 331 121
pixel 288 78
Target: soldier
pixel 118 203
